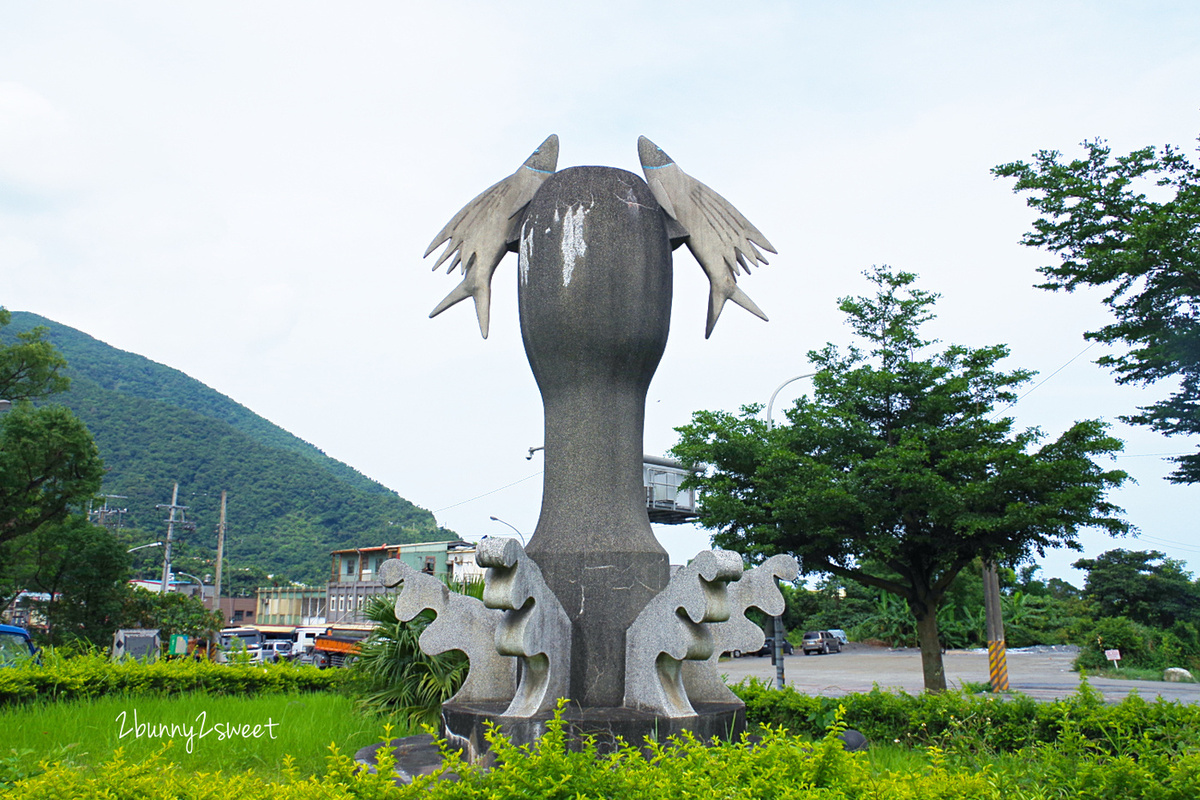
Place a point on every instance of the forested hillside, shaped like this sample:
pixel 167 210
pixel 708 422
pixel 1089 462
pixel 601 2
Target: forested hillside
pixel 288 503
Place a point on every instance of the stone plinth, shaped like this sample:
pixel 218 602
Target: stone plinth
pixel 463 725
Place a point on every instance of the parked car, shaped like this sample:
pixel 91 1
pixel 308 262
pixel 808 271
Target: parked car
pixel 821 642
pixel 840 634
pixel 272 650
pixel 769 645
pixel 15 646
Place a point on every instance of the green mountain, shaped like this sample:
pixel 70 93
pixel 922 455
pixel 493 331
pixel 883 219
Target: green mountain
pixel 288 504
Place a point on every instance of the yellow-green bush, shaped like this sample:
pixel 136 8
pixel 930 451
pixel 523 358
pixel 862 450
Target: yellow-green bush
pixel 93 675
pixel 984 723
pixel 773 764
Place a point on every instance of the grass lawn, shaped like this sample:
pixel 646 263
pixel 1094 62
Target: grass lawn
pixel 210 732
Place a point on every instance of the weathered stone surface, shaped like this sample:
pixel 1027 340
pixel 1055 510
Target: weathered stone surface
pixel 671 629
pixel 464 724
pixel 1178 675
pixel 415 756
pixel 717 234
pixel 477 236
pixel 534 627
pixel 594 287
pixel 755 589
pixel 462 623
pixel 853 741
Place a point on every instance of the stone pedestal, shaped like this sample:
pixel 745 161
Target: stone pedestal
pixel 463 726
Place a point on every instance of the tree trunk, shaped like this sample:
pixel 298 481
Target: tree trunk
pixel 931 651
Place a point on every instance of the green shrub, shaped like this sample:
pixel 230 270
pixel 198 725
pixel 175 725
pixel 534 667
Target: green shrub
pixel 966 723
pixel 770 764
pixel 93 675
pixel 1138 645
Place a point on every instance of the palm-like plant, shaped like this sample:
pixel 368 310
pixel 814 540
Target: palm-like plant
pixel 395 677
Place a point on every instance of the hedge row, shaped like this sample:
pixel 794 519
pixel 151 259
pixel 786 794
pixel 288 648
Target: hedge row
pixel 773 765
pixel 94 676
pixel 984 723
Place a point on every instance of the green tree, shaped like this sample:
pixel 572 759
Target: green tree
pixel 1143 585
pixel 171 613
pixel 1098 215
pixel 48 461
pixel 83 568
pixel 30 367
pixel 900 460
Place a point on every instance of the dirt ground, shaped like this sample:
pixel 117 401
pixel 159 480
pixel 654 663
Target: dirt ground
pixel 1042 673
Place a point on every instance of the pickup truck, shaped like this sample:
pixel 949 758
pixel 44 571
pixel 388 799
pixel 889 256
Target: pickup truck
pixel 15 646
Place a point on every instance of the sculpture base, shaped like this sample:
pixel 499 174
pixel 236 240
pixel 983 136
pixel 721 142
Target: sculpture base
pixel 415 756
pixel 464 725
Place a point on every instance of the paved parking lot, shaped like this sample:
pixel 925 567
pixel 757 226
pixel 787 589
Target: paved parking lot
pixel 1041 673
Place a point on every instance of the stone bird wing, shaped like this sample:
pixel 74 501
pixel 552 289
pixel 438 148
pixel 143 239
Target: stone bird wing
pixel 477 234
pixel 720 238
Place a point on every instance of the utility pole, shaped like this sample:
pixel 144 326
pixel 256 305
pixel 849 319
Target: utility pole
pixel 105 516
pixel 997 657
pixel 166 573
pixel 220 550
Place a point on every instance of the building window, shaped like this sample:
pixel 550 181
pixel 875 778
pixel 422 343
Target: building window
pixel 237 616
pixel 430 564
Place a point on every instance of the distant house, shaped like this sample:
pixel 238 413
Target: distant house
pixel 292 605
pixel 27 610
pixel 354 574
pixel 236 610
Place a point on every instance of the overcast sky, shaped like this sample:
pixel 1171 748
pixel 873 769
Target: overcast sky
pixel 244 191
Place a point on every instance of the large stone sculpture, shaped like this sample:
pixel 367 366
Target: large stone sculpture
pixel 756 588
pixel 671 630
pixel 535 629
pixel 594 291
pixel 462 623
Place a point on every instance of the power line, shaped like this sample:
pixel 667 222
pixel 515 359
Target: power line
pixel 1178 545
pixel 1148 455
pixel 485 494
pixel 1043 380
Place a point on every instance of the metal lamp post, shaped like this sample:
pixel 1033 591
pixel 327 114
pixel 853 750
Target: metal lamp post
pixel 509 524
pixel 779 677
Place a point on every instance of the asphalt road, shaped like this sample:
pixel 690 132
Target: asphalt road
pixel 1043 674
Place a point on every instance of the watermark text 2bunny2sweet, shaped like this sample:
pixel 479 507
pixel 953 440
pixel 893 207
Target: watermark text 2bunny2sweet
pixel 191 731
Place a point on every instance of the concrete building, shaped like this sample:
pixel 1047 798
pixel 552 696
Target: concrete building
pixel 354 574
pixel 292 605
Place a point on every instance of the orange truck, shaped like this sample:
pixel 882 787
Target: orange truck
pixel 333 651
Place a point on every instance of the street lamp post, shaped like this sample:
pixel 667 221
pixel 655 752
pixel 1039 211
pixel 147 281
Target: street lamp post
pixel 144 546
pixel 779 618
pixel 196 579
pixel 5 405
pixel 514 527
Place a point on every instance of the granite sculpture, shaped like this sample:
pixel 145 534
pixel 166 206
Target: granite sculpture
pixel 534 628
pixel 462 623
pixel 718 236
pixel 671 630
pixel 756 588
pixel 588 609
pixel 477 236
